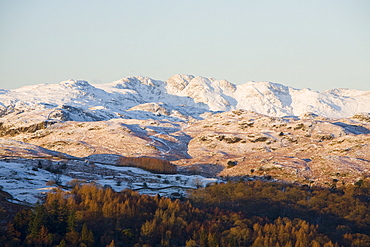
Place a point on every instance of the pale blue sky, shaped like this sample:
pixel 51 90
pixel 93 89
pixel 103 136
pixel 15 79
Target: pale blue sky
pixel 316 44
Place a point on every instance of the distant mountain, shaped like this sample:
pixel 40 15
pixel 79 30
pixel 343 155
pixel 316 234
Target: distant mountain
pixel 180 97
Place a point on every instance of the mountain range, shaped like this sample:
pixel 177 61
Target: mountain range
pixel 179 98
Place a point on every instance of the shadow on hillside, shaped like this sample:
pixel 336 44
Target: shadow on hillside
pixel 206 170
pixel 169 150
pixel 353 129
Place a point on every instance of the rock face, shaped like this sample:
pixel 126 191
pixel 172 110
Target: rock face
pixel 200 124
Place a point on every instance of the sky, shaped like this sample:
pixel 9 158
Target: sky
pixel 303 44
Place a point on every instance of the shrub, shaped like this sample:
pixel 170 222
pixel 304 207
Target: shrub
pixel 50 182
pixel 231 163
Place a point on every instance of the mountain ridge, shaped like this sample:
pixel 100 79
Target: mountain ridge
pixel 186 96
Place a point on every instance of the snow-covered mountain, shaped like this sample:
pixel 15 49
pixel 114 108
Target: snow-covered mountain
pixel 180 97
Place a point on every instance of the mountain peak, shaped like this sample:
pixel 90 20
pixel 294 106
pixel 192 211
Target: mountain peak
pixel 75 83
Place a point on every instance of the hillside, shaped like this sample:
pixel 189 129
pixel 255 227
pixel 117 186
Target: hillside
pixel 202 125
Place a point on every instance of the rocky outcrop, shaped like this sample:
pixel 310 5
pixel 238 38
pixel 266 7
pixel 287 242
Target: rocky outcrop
pixel 365 117
pixel 13 130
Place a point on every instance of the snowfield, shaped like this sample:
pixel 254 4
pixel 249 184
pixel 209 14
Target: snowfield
pixel 24 184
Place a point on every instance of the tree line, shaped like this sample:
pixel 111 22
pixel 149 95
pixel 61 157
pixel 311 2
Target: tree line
pixel 253 213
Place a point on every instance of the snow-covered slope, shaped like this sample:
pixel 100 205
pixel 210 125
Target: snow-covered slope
pixel 180 97
pixel 26 180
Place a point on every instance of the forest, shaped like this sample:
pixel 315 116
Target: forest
pixel 249 213
pixel 149 164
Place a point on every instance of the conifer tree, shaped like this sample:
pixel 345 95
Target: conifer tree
pixel 112 244
pixel 190 243
pixel 71 226
pixel 87 236
pixel 62 243
pixel 38 220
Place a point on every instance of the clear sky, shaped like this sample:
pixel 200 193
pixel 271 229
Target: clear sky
pixel 316 44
